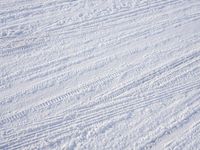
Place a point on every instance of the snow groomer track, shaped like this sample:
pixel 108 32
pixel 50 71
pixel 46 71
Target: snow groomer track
pixel 100 74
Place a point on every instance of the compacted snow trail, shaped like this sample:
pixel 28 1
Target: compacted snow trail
pixel 100 74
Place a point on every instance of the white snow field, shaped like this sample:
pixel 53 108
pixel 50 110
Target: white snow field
pixel 99 74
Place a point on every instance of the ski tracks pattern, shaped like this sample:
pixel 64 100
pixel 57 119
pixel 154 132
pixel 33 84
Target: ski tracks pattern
pixel 111 74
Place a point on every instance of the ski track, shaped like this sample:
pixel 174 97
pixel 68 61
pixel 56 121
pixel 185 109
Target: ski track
pixel 113 74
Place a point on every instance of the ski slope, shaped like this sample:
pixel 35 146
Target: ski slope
pixel 100 74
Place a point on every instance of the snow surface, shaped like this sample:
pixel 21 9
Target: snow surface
pixel 100 74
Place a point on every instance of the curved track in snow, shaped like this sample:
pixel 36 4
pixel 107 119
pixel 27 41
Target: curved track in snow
pixel 92 74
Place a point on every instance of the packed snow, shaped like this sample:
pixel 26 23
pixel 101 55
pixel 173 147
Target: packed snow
pixel 99 74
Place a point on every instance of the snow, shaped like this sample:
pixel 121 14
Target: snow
pixel 100 74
